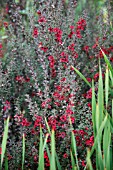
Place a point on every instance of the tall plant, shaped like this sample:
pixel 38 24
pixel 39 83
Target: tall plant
pixel 102 120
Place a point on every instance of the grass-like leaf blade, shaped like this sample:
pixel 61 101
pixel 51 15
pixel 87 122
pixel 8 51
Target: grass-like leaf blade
pixel 82 76
pixel 23 151
pixel 4 141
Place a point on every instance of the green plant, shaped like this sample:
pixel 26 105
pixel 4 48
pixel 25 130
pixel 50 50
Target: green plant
pixel 4 141
pixel 23 150
pixel 102 120
pixel 42 39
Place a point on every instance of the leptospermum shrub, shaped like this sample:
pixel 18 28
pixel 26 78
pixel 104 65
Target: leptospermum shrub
pixel 37 80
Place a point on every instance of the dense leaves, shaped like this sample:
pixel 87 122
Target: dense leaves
pixel 41 41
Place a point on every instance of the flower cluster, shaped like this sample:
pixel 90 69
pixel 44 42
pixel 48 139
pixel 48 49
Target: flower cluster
pixel 81 24
pixel 52 66
pixel 57 33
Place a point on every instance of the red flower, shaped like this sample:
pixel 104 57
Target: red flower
pixel 71 103
pixel 52 122
pixel 35 158
pixel 58 34
pixel 42 19
pixel 75 132
pixel 52 61
pixel 96 76
pixel 110 49
pixel 49 100
pixel 94 46
pixel 25 122
pixel 61 98
pixel 100 54
pixel 49 106
pixel 89 105
pixel 64 59
pixel 72 27
pixel 72 119
pixel 1 45
pixel 9 156
pixel 43 105
pixel 83 163
pixel 59 88
pixel 89 94
pixel 39 12
pixel 53 73
pixel 51 58
pixel 90 142
pixel 27 79
pixel 45 155
pixel 50 29
pixel 63 118
pixel 65 155
pixel 33 132
pixel 71 34
pixel 57 30
pixel 78 140
pixel 57 104
pixel 88 79
pixel 81 132
pixel 111 59
pixel 63 79
pixel 75 55
pixel 51 64
pixel 91 57
pixel 7 105
pixel 78 34
pixel 81 24
pixel 71 47
pixel 20 79
pixel 0 151
pixel 65 66
pixel 18 118
pixel 71 68
pixel 48 163
pixel 44 49
pixel 38 121
pixel 6 24
pixel 68 110
pixel 86 48
pixel 56 94
pixel 35 32
pixel 104 38
pixel 62 135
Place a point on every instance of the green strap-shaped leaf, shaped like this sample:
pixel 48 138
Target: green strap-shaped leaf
pixel 89 164
pixel 93 108
pixel 106 86
pixel 41 153
pixel 103 124
pixel 53 162
pixel 23 151
pixel 100 97
pixel 74 148
pixel 81 75
pixel 73 162
pixel 4 141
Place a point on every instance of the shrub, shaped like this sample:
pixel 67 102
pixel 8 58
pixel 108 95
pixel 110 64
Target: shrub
pixel 37 80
